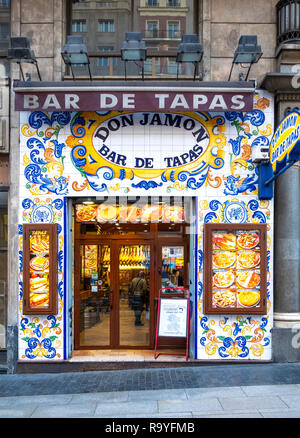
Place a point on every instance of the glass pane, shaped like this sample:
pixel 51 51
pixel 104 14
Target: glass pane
pixel 134 294
pixel 114 228
pixel 95 295
pixel 105 23
pixel 172 266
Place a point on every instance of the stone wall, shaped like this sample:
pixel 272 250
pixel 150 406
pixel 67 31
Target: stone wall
pixel 224 21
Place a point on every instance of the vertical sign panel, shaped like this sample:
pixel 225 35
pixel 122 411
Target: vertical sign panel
pixel 40 268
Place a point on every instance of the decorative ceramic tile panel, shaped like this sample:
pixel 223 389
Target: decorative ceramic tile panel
pixel 206 155
pixel 234 336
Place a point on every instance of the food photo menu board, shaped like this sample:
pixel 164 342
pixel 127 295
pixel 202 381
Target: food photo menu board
pixel 39 268
pixel 235 268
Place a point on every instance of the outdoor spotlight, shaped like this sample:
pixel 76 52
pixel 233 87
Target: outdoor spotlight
pixel 189 50
pixel 20 51
pixel 74 53
pixel 247 52
pixel 133 49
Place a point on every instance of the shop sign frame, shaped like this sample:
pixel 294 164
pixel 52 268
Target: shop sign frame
pixel 136 98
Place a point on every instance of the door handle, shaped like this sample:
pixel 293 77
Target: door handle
pixel 110 298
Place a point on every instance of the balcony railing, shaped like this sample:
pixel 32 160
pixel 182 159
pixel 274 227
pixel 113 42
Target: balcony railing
pixel 288 21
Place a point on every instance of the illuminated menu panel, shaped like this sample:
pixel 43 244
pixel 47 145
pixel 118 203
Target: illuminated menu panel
pixel 40 268
pixel 235 268
pixel 129 214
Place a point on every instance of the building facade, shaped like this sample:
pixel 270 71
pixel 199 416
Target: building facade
pixel 109 178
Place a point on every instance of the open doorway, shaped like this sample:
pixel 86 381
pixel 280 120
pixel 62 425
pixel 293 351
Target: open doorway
pixel 119 256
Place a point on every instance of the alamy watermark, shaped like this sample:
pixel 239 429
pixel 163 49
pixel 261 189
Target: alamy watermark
pixel 296 338
pixel 296 78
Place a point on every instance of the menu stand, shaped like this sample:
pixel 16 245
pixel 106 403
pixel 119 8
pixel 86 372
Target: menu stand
pixel 175 294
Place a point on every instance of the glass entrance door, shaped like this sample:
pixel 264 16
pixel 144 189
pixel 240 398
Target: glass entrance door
pixel 95 295
pixel 134 294
pixel 113 294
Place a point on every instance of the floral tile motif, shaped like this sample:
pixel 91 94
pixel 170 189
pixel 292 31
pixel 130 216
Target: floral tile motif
pixel 234 336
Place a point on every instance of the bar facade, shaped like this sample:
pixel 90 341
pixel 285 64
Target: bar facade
pixel 132 190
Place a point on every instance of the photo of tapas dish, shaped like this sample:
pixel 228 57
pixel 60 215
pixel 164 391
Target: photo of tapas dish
pixel 248 279
pixel 225 241
pixel 223 260
pixel 39 263
pixel 248 240
pixel 224 298
pixel 248 260
pixel 223 279
pixel 86 213
pixel 39 299
pixel 90 263
pixel 91 254
pixel 106 213
pixel 39 243
pixel 248 298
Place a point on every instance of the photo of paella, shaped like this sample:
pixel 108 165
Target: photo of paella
pixel 248 240
pixel 223 279
pixel 223 259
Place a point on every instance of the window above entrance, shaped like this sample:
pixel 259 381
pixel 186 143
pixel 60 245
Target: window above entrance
pixel 132 216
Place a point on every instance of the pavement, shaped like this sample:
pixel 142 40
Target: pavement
pixel 269 390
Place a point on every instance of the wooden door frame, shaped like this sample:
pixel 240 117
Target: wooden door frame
pixel 172 241
pixel 116 295
pixel 114 242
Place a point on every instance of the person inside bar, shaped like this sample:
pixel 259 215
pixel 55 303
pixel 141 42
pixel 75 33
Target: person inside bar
pixel 138 289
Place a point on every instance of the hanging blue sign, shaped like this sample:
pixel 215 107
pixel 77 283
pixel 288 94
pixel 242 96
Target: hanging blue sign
pixel 284 152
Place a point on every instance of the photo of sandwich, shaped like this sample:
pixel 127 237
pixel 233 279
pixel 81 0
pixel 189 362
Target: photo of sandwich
pixel 248 279
pixel 39 243
pixel 39 263
pixel 39 284
pixel 226 241
pixel 39 299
